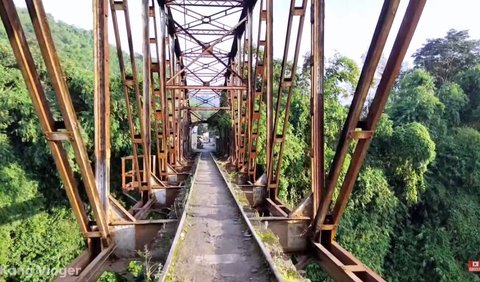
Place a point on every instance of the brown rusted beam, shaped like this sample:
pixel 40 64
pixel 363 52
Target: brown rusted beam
pixel 196 115
pixel 95 268
pixel 286 84
pixel 80 262
pixel 373 57
pixel 244 67
pixel 237 96
pixel 27 67
pixel 64 101
pixel 269 85
pixel 128 82
pixel 250 84
pixel 377 45
pixel 317 98
pixel 123 213
pixel 342 265
pixel 144 210
pixel 256 101
pixel 275 209
pixel 205 3
pixel 234 116
pixel 144 222
pixel 101 100
pixel 201 31
pixel 158 40
pixel 392 69
pixel 162 139
pixel 147 102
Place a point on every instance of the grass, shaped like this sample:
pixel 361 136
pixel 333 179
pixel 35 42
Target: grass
pixel 268 237
pixel 241 198
pixel 170 276
pixel 282 262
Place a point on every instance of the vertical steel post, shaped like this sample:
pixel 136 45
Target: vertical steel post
pixel 101 99
pixel 239 93
pixel 250 86
pixel 163 148
pixel 146 93
pixel 269 78
pixel 317 88
pixel 257 95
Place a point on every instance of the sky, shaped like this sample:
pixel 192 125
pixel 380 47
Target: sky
pixel 349 23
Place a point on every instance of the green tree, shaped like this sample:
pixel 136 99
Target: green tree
pixel 415 101
pixel 414 152
pixel 341 76
pixel 446 57
pixel 469 81
pixel 454 99
pixel 367 226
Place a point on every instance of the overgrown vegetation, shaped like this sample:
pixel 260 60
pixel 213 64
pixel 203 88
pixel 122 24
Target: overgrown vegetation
pixel 414 213
pixel 37 227
pixel 144 268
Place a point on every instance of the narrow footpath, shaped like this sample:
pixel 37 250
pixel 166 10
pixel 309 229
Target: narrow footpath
pixel 216 245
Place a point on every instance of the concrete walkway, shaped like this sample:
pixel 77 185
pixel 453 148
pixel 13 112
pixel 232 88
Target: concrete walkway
pixel 216 245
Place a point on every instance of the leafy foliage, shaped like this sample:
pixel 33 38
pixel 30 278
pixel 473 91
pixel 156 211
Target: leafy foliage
pixel 414 151
pixel 454 99
pixel 445 57
pixel 469 81
pixel 415 101
pixel 369 219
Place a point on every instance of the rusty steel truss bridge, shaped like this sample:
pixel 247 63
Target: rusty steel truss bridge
pixel 197 53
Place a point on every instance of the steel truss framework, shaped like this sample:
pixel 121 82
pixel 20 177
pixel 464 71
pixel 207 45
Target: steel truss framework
pixel 195 54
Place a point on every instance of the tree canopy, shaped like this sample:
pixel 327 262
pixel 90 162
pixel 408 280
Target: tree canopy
pixel 446 57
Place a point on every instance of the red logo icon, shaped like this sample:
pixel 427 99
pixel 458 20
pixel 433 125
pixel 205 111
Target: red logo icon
pixel 474 266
